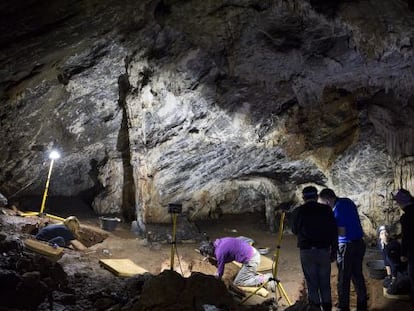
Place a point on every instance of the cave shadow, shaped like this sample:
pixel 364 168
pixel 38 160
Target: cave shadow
pixel 62 206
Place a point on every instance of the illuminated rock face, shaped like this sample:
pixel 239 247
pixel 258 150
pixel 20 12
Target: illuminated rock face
pixel 225 108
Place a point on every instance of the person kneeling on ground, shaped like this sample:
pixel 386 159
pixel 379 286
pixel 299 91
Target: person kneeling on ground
pixel 391 252
pixel 64 234
pixel 406 202
pixel 229 249
pixel 396 281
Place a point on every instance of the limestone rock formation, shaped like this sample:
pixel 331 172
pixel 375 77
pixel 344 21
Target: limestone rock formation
pixel 225 106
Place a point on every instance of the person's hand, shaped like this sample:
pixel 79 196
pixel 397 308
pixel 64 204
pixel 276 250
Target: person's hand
pixel 387 281
pixel 212 261
pixel 403 259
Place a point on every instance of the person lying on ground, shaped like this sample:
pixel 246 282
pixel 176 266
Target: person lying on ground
pixel 64 234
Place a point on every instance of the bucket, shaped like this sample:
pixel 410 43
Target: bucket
pixel 109 223
pixel 376 269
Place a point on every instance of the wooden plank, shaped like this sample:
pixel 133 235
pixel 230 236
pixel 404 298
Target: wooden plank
pixel 261 292
pixel 122 267
pixel 242 290
pixel 43 248
pixel 397 297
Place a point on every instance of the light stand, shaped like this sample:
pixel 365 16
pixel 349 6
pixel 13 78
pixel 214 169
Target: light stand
pixel 274 278
pixel 174 210
pixel 52 156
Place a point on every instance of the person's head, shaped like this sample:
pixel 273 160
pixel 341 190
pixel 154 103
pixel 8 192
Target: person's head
pixel 310 193
pixel 72 223
pixel 207 249
pixel 403 197
pixel 383 234
pixel 328 196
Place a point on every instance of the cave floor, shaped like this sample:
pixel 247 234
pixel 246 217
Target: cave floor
pixel 154 256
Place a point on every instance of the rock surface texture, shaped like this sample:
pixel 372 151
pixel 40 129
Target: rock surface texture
pixel 226 106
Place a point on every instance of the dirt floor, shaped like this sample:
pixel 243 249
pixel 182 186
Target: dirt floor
pixel 154 256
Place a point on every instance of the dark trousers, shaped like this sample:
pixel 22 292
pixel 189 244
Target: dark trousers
pixel 316 266
pixel 411 274
pixel 349 262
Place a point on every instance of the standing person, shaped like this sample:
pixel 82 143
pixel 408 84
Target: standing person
pixel 351 250
pixel 63 234
pixel 230 249
pixel 406 203
pixel 315 226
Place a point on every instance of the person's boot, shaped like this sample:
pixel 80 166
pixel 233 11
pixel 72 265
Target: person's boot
pixel 327 307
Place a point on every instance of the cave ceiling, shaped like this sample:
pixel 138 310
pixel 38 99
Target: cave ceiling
pixel 225 106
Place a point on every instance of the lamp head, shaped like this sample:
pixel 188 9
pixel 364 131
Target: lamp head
pixel 53 155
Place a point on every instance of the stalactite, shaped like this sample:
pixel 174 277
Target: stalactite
pixel 404 173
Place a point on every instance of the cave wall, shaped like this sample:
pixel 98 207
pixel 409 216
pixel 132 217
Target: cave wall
pixel 225 106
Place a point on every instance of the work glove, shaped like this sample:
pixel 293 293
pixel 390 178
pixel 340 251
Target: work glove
pixel 387 281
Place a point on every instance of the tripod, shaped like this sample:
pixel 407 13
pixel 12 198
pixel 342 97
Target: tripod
pixel 274 278
pixel 173 241
pixel 174 210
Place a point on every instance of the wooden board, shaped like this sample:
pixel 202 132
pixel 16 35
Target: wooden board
pixel 398 297
pixel 242 290
pixel 261 292
pixel 265 264
pixel 122 267
pixel 43 248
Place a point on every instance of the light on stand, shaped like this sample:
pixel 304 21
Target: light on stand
pixel 53 155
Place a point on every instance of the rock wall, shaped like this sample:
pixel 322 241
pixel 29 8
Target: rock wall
pixel 225 106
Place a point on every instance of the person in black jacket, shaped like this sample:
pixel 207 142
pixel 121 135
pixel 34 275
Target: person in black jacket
pixel 315 226
pixel 406 202
pixel 391 253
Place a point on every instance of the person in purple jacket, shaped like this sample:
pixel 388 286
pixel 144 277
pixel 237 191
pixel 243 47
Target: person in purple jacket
pixel 228 249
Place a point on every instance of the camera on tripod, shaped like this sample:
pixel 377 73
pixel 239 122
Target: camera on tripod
pixel 175 208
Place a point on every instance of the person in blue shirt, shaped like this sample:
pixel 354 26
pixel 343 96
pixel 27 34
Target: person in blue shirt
pixel 351 250
pixel 64 234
